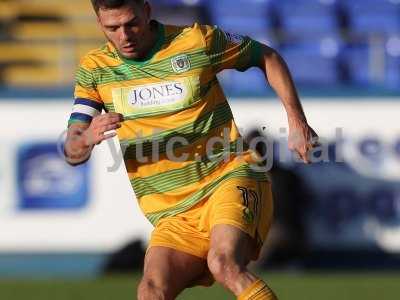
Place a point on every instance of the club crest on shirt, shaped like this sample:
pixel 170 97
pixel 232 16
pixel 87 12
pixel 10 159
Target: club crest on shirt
pixel 180 63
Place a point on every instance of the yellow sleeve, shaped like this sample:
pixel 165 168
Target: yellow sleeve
pixel 231 51
pixel 85 84
pixel 87 103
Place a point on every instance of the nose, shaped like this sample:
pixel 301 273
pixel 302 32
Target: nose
pixel 125 34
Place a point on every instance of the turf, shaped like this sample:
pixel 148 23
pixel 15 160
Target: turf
pixel 318 286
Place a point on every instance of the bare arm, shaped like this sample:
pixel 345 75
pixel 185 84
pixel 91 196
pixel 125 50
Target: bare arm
pixel 82 137
pixel 301 136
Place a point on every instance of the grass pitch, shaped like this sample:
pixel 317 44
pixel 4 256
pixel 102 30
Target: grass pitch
pixel 318 286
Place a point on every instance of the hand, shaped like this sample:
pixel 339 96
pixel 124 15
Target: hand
pixel 302 139
pixel 95 133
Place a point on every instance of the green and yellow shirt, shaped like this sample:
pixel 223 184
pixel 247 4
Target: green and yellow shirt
pixel 172 100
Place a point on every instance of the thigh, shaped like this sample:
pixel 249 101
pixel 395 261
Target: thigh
pixel 176 270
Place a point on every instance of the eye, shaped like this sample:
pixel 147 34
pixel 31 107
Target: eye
pixel 112 28
pixel 133 24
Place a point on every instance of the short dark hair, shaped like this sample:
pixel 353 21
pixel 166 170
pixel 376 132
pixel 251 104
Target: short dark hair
pixel 109 4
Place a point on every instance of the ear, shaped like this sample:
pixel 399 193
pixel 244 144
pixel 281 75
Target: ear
pixel 147 11
pixel 98 17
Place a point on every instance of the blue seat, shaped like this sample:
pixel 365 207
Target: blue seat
pixel 185 15
pixel 372 16
pixel 243 25
pixel 179 2
pixel 369 6
pixel 249 83
pixel 362 67
pixel 392 74
pixel 307 17
pixel 248 17
pixel 392 68
pixel 357 63
pixel 238 8
pixel 313 63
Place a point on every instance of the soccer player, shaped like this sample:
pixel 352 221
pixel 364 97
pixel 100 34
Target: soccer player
pixel 211 209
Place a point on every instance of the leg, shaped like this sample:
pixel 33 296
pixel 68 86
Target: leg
pixel 167 272
pixel 230 251
pixel 240 216
pixel 228 257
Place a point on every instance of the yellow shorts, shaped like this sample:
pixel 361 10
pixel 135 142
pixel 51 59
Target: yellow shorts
pixel 240 202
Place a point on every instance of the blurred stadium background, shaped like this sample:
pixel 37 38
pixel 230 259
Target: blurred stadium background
pixel 337 228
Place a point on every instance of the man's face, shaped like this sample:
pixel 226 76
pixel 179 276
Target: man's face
pixel 127 28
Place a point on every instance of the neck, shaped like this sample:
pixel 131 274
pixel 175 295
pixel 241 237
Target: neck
pixel 152 31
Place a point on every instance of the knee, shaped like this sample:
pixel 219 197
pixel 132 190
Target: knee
pixel 150 289
pixel 224 267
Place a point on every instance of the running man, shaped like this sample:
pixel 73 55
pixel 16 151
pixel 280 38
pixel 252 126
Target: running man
pixel 157 83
